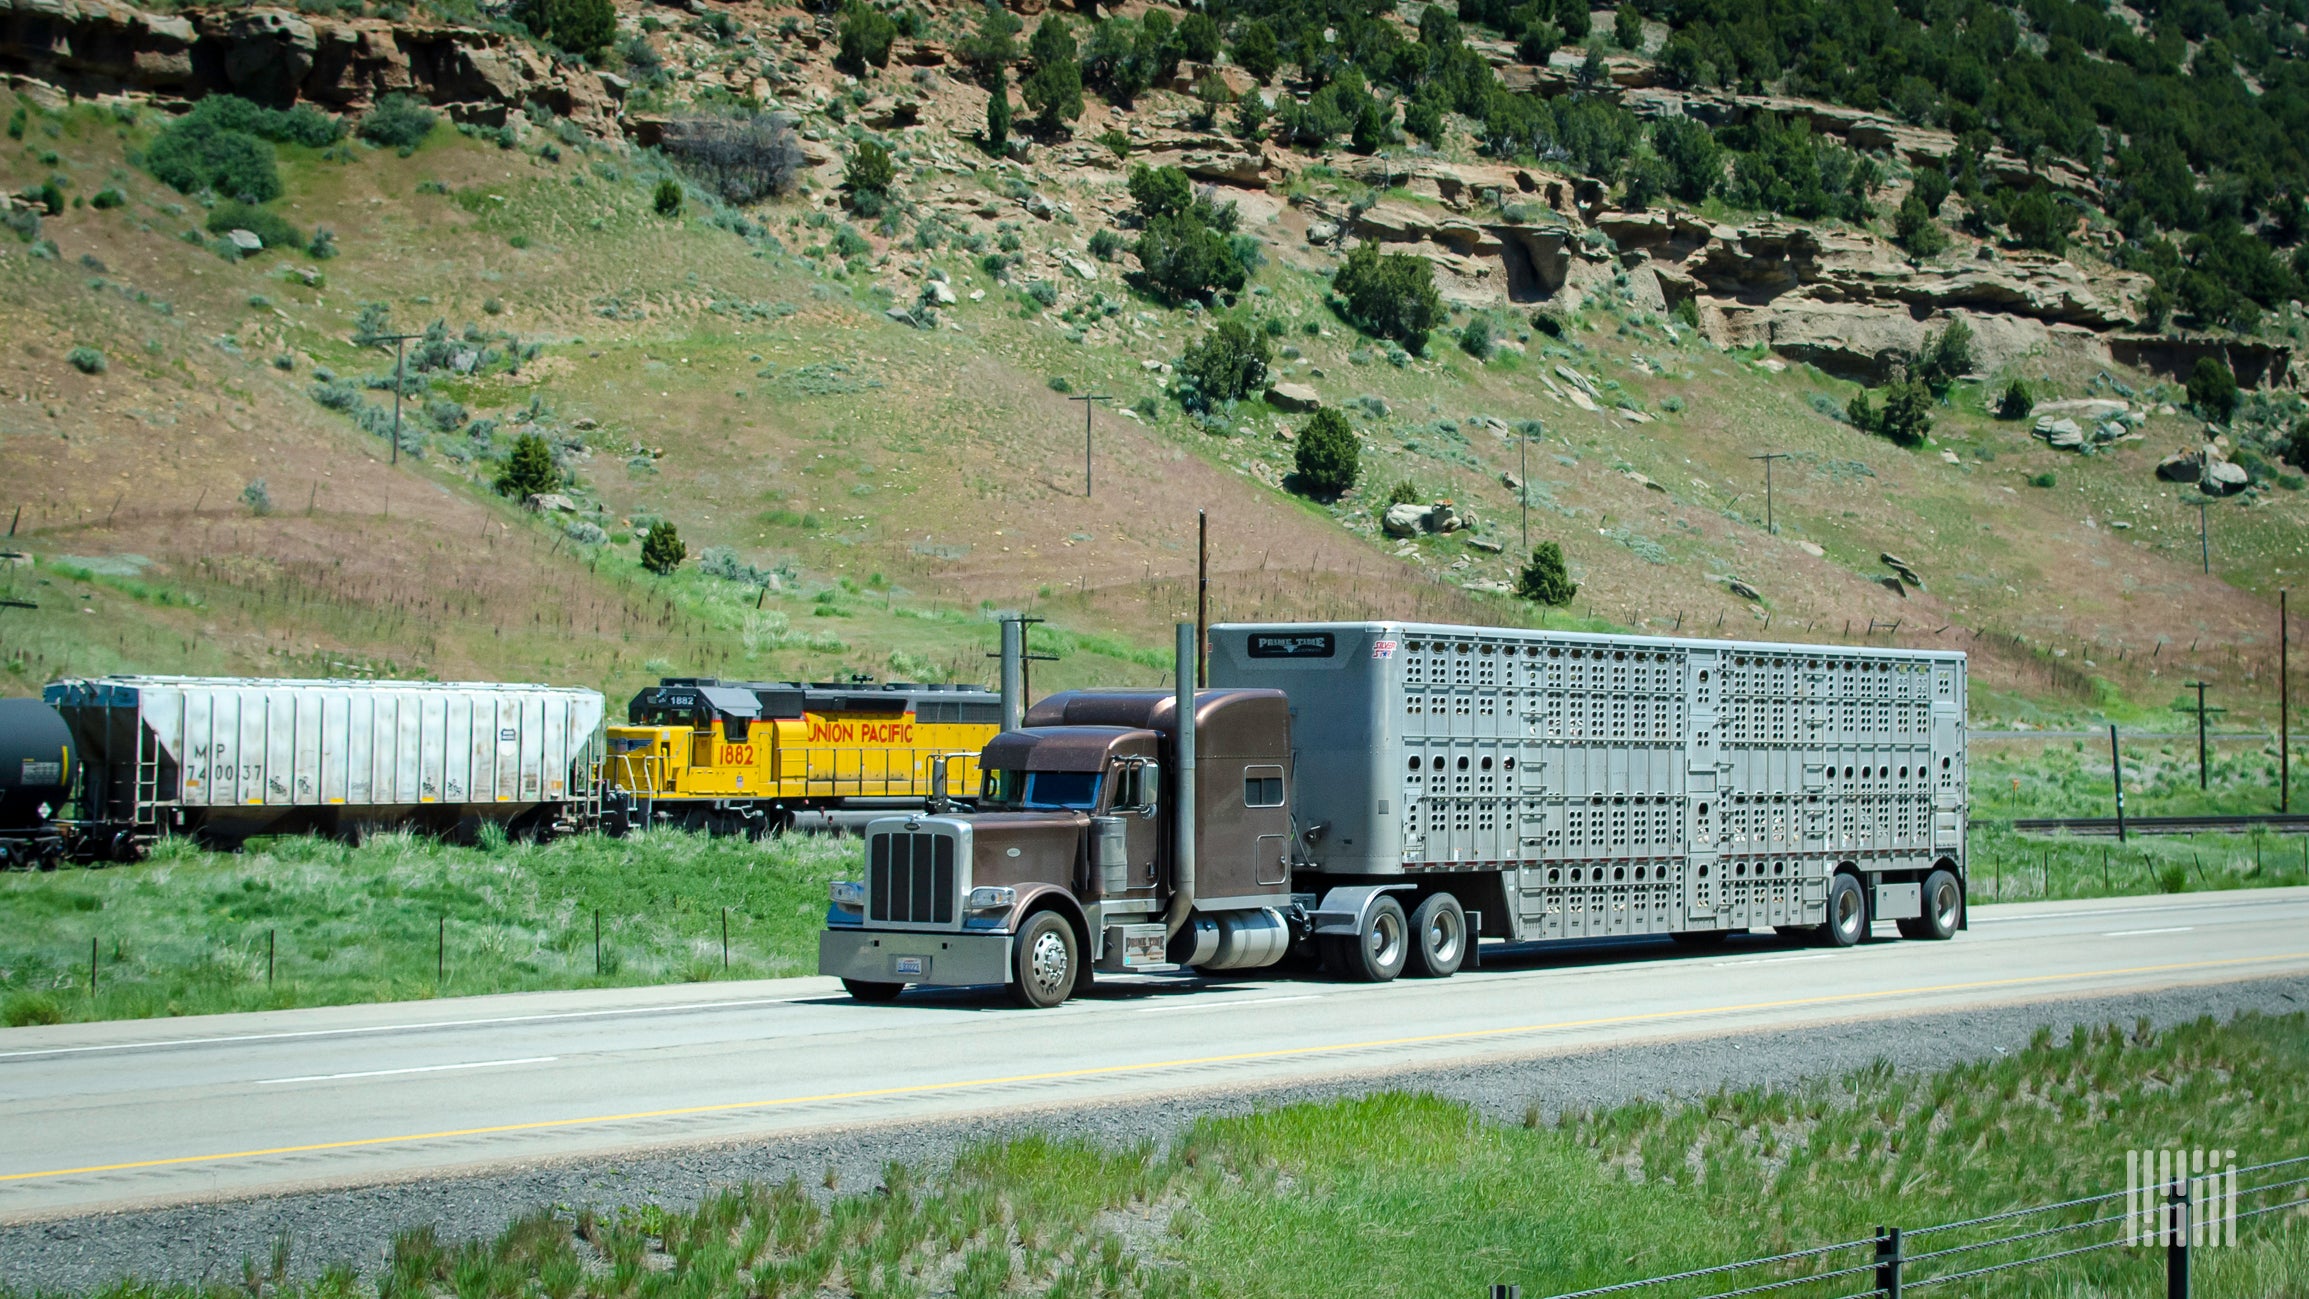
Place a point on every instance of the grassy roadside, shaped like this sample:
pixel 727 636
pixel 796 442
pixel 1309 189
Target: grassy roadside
pixel 186 932
pixel 1413 1196
pixel 403 917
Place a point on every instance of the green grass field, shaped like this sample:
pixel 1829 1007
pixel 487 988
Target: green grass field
pixel 398 917
pixel 1416 1197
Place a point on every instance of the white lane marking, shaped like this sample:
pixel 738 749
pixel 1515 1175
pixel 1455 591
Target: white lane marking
pixel 421 1026
pixel 1777 960
pixel 1224 1005
pixel 2135 933
pixel 423 1068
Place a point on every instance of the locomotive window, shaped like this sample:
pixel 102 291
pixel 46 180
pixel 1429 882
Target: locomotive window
pixel 1262 787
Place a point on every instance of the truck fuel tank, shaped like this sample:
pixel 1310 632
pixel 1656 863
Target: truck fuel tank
pixel 1233 940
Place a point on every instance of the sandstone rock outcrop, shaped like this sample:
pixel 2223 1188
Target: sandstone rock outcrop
pixel 276 56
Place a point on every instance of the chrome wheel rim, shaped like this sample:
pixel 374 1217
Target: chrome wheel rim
pixel 1443 938
pixel 1944 906
pixel 1848 909
pixel 1385 941
pixel 1047 964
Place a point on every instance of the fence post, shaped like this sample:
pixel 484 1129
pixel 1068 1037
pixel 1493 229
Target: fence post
pixel 597 941
pixel 1888 1260
pixel 92 965
pixel 441 954
pixel 2177 1214
pixel 1499 1291
pixel 268 958
pixel 725 940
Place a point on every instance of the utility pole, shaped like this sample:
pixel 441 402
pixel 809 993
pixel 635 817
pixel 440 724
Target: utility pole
pixel 1026 658
pixel 400 380
pixel 1087 399
pixel 1768 457
pixel 2284 714
pixel 1523 490
pixel 2199 687
pixel 2117 780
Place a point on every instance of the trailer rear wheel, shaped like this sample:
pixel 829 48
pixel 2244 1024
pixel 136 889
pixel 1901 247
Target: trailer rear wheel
pixel 874 993
pixel 1045 961
pixel 1438 938
pixel 1847 913
pixel 1378 952
pixel 1943 907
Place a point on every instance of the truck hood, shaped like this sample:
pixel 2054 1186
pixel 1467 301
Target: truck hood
pixel 1018 848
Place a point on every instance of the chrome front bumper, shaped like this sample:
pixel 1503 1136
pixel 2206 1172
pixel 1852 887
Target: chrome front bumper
pixel 938 959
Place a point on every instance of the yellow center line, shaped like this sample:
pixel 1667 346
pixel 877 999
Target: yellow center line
pixel 1097 1071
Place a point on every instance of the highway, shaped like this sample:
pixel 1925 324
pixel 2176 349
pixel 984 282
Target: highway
pixel 150 1112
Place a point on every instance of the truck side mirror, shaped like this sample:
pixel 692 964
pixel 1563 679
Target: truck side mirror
pixel 938 798
pixel 1150 780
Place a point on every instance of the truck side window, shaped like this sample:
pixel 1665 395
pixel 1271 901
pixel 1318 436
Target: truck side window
pixel 1262 787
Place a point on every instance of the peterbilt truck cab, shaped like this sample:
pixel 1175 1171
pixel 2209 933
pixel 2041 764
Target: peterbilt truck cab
pixel 1101 840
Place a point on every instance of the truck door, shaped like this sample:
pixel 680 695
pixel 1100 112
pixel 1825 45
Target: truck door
pixel 1703 674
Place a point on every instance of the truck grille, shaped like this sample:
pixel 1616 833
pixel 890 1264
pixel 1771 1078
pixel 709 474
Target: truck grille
pixel 910 879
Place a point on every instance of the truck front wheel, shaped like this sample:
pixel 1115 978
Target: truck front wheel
pixel 869 991
pixel 1847 913
pixel 1377 953
pixel 1045 961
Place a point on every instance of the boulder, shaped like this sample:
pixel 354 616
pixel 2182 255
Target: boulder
pixel 1296 397
pixel 553 501
pixel 1487 546
pixel 1893 585
pixel 1743 590
pixel 940 292
pixel 245 240
pixel 1404 520
pixel 2184 466
pixel 2224 478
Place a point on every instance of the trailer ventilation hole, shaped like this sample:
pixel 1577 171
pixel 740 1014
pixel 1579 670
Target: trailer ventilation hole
pixel 1463 762
pixel 1487 764
pixel 1619 872
pixel 1415 762
pixel 1703 872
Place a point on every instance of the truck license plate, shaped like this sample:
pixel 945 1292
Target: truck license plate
pixel 909 965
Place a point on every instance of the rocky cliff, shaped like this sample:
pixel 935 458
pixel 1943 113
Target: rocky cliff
pixel 93 48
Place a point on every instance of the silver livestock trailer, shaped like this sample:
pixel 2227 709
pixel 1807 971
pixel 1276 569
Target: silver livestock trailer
pixel 1571 785
pixel 225 758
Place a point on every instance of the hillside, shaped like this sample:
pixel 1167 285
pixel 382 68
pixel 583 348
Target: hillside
pixel 856 409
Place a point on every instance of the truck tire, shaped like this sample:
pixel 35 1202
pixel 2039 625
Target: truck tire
pixel 1044 962
pixel 871 992
pixel 1943 908
pixel 1378 952
pixel 1439 938
pixel 1847 920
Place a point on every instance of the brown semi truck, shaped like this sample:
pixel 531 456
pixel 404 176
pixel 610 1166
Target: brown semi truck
pixel 1355 793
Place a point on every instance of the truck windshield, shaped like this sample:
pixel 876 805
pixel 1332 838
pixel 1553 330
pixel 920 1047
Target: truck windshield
pixel 1067 789
pixel 1076 790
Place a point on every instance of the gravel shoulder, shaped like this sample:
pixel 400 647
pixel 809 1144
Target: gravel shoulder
pixel 207 1242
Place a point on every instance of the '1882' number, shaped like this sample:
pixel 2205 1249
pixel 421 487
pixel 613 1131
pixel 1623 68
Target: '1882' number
pixel 737 755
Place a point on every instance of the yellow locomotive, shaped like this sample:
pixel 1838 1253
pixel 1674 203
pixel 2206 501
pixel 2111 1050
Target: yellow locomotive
pixel 751 757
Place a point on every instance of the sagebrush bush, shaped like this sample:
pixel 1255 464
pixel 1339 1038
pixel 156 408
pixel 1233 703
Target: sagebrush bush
pixel 398 122
pixel 266 224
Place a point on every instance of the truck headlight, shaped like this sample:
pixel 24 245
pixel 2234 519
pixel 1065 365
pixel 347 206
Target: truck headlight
pixel 993 898
pixel 849 895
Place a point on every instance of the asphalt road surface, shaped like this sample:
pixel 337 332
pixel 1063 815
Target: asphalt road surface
pixel 155 1112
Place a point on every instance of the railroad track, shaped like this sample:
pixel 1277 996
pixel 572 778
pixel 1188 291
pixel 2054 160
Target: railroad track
pixel 2244 823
